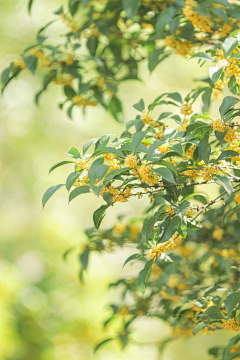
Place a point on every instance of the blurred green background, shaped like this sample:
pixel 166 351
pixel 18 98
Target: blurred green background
pixel 44 311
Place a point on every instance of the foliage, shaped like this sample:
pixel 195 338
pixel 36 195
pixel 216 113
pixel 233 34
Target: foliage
pixel 194 288
pixel 106 40
pixel 185 249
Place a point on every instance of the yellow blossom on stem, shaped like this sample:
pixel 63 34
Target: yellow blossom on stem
pixel 161 248
pixel 132 161
pixel 169 210
pixel 232 324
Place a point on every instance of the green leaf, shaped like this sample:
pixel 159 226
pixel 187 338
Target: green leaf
pixel 214 288
pixel 213 312
pixel 199 197
pixel 223 181
pixel 29 6
pixel 6 75
pixel 178 148
pixel 199 327
pixel 73 6
pixel 116 172
pixel 169 227
pixel 59 11
pixel 144 275
pixel 221 14
pixel 87 145
pixel 227 104
pixel 153 59
pixel 166 174
pixel 97 189
pixel 78 191
pixel 74 152
pixel 140 106
pixel 229 45
pixel 83 257
pixel 109 150
pixel 101 171
pixel 206 97
pixel 182 208
pixel 131 8
pixel 99 215
pixel 92 171
pixel 71 179
pixel 220 135
pixel 132 257
pixel 229 346
pixel 163 19
pixel 153 148
pixel 50 192
pixel 204 149
pixel 168 165
pixel 31 62
pixel 69 92
pixel 59 164
pixel 232 301
pixel 175 96
pixel 215 73
pixel 203 55
pixel 115 107
pixel 137 139
pixel 102 343
pixel 227 154
pixel 233 355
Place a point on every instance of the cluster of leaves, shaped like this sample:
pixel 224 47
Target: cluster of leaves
pixel 118 35
pixel 195 288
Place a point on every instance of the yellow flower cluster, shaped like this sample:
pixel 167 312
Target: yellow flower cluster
pixel 206 173
pixel 218 233
pixel 169 210
pixel 237 197
pixel 186 109
pixel 83 163
pixel 123 311
pixel 132 161
pixel 146 118
pixel 81 101
pixel 64 80
pixel 189 212
pixel 164 148
pixel 20 63
pixel 70 23
pixel 172 280
pixel 135 229
pixel 232 324
pixel 201 22
pixel 230 135
pixel 118 195
pixel 161 248
pixel 119 228
pixel 230 68
pixel 182 47
pixel 81 182
pixel 149 121
pixel 184 125
pixel 234 349
pixel 193 173
pixel 218 125
pixel 91 32
pixel 146 175
pixel 190 151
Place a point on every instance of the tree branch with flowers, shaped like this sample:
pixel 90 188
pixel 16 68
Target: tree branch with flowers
pixel 187 248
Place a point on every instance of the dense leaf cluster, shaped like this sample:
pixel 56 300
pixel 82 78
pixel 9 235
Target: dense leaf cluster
pixel 107 40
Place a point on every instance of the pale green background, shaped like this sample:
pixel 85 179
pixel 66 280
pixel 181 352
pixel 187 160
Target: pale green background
pixel 44 311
